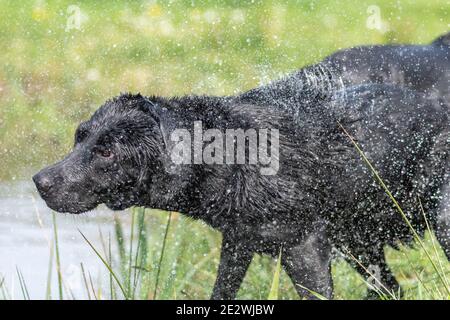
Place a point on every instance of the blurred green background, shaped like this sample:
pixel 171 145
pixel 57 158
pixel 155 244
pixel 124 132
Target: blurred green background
pixel 52 76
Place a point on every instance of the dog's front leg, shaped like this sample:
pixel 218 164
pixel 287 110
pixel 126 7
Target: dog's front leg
pixel 235 259
pixel 443 220
pixel 308 264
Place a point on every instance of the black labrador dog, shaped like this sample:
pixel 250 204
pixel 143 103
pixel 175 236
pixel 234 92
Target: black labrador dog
pixel 315 193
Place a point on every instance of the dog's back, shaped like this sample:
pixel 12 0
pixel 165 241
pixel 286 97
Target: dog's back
pixel 424 68
pixel 443 41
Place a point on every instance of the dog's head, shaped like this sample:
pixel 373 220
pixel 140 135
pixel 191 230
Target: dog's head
pixel 113 155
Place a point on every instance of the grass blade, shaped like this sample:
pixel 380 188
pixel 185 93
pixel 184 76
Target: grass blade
pixel 166 232
pixel 273 294
pixel 112 289
pixel 58 262
pixel 3 288
pixel 433 242
pixel 315 294
pixel 377 290
pixel 141 250
pixel 83 273
pixel 48 293
pixel 120 244
pixel 130 255
pixel 23 285
pixel 106 265
pixel 92 286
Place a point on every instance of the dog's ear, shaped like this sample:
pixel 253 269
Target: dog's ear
pixel 158 114
pixel 161 116
pixel 148 106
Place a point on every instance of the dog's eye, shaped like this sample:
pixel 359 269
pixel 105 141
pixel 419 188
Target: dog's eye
pixel 105 153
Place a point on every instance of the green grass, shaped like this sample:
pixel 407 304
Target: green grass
pixel 190 260
pixel 51 79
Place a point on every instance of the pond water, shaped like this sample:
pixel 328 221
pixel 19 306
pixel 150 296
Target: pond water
pixel 26 236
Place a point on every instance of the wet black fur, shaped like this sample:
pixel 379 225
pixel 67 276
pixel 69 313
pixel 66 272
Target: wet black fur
pixel 323 195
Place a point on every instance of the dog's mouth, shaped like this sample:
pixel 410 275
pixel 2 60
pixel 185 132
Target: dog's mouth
pixel 72 208
pixel 65 202
pixel 74 203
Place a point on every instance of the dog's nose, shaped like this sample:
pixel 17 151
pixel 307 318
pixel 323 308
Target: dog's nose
pixel 42 182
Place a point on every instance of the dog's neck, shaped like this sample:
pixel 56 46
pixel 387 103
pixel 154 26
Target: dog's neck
pixel 180 187
pixel 200 190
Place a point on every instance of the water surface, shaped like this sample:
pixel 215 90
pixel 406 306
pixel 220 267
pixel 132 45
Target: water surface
pixel 26 236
